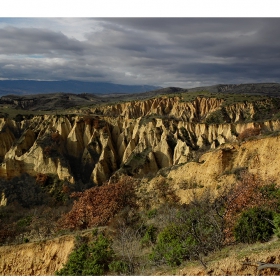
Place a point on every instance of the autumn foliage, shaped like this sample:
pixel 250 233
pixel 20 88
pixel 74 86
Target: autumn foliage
pixel 246 194
pixel 96 206
pixel 249 132
pixel 6 234
pixel 41 179
pixel 55 137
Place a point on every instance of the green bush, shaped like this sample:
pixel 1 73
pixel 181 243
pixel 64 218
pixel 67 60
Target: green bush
pixel 149 236
pixel 151 213
pixel 119 267
pixel 276 222
pixel 254 225
pixel 190 232
pixel 215 117
pixel 172 245
pixel 89 259
pixel 271 192
pixel 24 222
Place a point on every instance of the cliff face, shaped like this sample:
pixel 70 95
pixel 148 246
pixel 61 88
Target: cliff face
pixel 195 111
pixel 135 137
pixel 35 259
pixel 188 111
pixel 217 169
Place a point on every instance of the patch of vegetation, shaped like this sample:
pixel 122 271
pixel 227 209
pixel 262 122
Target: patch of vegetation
pixel 266 109
pixel 16 191
pixel 248 133
pixel 215 117
pixel 33 205
pixel 172 245
pixel 58 190
pixel 237 171
pixel 251 192
pixel 12 112
pixel 151 213
pixel 149 236
pixel 188 233
pixel 119 267
pixel 89 258
pixel 98 205
pixel 276 223
pixel 231 99
pixel 190 184
pixel 254 225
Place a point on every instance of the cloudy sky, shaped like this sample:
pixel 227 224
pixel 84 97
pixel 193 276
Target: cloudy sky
pixel 184 52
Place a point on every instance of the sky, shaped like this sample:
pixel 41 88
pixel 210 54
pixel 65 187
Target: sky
pixel 162 51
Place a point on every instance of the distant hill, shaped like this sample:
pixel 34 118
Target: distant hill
pixel 271 89
pixel 23 87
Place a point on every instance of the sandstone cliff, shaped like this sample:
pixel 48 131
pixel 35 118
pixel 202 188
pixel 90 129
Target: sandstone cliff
pixel 137 138
pixel 35 259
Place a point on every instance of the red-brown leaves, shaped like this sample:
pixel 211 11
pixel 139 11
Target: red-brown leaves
pixel 245 194
pixel 96 206
pixel 96 123
pixel 55 137
pixel 41 179
pixel 249 132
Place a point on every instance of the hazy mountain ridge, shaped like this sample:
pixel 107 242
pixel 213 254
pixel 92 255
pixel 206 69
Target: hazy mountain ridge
pixel 21 87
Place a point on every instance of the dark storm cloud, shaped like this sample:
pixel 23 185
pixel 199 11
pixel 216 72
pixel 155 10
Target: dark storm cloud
pixel 159 51
pixel 47 70
pixel 178 25
pixel 36 41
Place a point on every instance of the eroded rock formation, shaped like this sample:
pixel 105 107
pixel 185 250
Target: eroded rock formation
pixel 137 138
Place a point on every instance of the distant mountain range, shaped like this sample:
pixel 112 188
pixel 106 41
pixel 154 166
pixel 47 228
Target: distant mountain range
pixel 32 87
pixel 23 87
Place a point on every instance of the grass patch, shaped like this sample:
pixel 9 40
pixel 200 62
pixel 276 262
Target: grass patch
pixel 244 250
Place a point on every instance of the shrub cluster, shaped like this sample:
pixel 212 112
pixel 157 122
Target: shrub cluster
pixel 254 225
pixel 250 192
pixel 89 258
pixel 29 211
pixel 188 232
pixel 97 205
pixel 215 117
pixel 249 132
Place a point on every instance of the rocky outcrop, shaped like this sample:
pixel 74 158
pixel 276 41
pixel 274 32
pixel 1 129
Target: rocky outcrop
pixel 218 169
pixel 142 138
pixel 195 111
pixel 163 106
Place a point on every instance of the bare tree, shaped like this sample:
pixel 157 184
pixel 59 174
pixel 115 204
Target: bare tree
pixel 127 245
